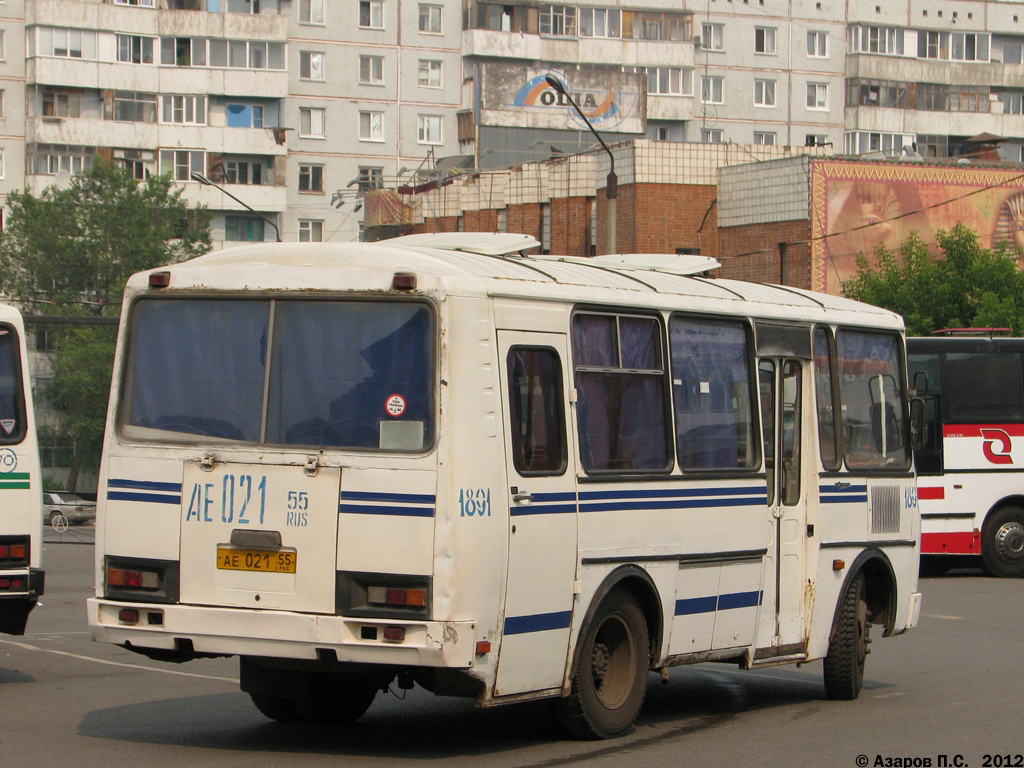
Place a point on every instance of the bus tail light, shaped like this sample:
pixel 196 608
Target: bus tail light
pixel 13 583
pixel 394 634
pixel 14 551
pixel 128 616
pixel 133 578
pixel 401 597
pixel 152 581
pixel 382 595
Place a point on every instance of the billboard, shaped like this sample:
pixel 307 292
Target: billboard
pixel 857 205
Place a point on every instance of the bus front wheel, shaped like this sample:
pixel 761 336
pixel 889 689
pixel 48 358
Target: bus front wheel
pixel 1002 543
pixel 848 646
pixel 610 676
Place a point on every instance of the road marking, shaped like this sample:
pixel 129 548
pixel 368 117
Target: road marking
pixel 81 657
pixel 939 616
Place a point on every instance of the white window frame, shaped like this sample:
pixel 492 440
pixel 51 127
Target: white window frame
pixel 371 69
pixel 371 125
pixel 712 89
pixel 558 20
pixel 177 167
pixel 3 166
pixel 765 138
pixel 602 23
pixel 430 19
pixel 764 41
pixel 764 93
pixel 311 230
pixel 311 12
pixel 312 122
pixel 817 44
pixel 310 174
pixel 712 136
pixel 712 36
pixel 133 42
pixel 428 73
pixel 374 14
pixel 426 128
pixel 187 106
pixel 670 81
pixel 140 3
pixel 817 96
pixel 311 65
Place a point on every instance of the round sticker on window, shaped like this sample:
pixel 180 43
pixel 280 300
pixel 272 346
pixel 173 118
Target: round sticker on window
pixel 395 406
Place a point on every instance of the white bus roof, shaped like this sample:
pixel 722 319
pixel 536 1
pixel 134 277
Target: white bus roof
pixel 492 264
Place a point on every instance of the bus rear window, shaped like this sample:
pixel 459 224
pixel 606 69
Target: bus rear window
pixel 339 374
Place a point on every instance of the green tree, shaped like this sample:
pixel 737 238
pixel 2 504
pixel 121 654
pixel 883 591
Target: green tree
pixel 962 286
pixel 68 253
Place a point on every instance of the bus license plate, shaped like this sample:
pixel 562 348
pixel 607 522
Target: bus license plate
pixel 255 560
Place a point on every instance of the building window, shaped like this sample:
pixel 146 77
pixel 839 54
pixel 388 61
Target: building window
pixel 558 20
pixel 311 231
pixel 815 140
pixel 429 74
pixel 370 177
pixel 764 40
pixel 135 49
pixel 859 142
pixel 711 37
pixel 711 135
pixel 817 95
pixel 664 131
pixel 371 126
pixel 932 146
pixel 711 89
pixel 2 100
pixel 312 122
pixel 428 129
pixel 1012 53
pixel 600 22
pixel 246 229
pixel 662 26
pixel 958 46
pixel 134 107
pixel 48 159
pixel 371 70
pixel 764 138
pixel 311 11
pixel 3 170
pixel 140 3
pixel 1012 103
pixel 817 45
pixel 671 81
pixel 311 65
pixel 371 14
pixel 183 51
pixel 181 163
pixel 62 104
pixel 242 54
pixel 311 178
pixel 764 93
pixel 183 110
pixel 243 172
pixel 883 40
pixel 876 93
pixel 66 43
pixel 430 18
pixel 245 116
pixel 134 161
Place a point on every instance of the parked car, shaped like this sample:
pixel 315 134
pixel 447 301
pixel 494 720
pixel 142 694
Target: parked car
pixel 76 509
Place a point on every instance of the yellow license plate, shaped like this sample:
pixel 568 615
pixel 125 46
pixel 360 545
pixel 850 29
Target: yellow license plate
pixel 255 560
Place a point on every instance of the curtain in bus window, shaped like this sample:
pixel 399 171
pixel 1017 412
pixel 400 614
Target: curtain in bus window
pixel 621 408
pixel 351 374
pixel 9 385
pixel 535 402
pixel 197 367
pixel 984 387
pixel 828 445
pixel 711 394
pixel 870 391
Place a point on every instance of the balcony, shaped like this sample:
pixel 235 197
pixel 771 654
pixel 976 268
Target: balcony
pixel 262 198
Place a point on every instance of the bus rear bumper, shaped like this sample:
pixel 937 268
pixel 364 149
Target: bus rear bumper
pixel 281 634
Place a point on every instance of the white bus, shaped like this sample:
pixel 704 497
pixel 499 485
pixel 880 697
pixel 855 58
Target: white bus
pixel 21 492
pixel 436 461
pixel 970 468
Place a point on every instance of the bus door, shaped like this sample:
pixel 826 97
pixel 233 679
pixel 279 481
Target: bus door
pixel 541 498
pixel 781 626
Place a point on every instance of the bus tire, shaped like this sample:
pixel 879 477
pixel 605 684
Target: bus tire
pixel 1002 543
pixel 610 675
pixel 276 708
pixel 848 646
pixel 336 699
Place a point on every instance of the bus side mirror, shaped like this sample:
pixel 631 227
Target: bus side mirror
pixel 918 423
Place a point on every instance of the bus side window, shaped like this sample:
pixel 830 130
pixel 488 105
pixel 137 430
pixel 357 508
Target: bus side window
pixel 537 411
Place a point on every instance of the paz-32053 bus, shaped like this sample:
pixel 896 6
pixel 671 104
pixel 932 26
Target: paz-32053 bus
pixel 437 461
pixel 21 492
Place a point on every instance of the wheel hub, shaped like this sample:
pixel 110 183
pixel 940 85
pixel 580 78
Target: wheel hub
pixel 599 664
pixel 1009 542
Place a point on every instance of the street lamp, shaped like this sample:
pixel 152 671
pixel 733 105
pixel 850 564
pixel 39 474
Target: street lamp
pixel 197 176
pixel 611 185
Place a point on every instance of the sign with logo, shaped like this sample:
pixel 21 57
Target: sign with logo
pixel 983 446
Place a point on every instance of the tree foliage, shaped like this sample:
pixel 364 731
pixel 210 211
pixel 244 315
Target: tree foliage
pixel 69 252
pixel 964 286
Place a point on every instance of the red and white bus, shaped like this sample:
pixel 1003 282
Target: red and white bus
pixel 971 469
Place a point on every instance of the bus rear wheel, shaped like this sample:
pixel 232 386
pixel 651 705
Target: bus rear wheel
pixel 335 699
pixel 275 707
pixel 1002 543
pixel 610 676
pixel 848 646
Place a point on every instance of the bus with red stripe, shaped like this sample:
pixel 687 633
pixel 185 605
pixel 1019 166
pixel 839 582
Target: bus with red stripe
pixel 971 468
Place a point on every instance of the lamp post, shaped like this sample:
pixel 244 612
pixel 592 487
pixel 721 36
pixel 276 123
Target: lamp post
pixel 611 185
pixel 197 176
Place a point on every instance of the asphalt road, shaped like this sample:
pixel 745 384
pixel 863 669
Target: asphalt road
pixel 949 688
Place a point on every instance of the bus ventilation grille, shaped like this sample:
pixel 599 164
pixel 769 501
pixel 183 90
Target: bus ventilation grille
pixel 885 509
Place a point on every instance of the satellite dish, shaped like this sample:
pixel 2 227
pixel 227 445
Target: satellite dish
pixel 62 179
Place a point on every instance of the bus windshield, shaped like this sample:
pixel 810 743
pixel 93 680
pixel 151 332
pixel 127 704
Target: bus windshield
pixel 342 374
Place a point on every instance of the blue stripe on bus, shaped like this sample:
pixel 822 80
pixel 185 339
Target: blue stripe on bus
pixel 145 485
pixel 569 496
pixel 538 622
pixel 373 509
pixel 847 499
pixel 541 509
pixel 691 606
pixel 831 488
pixel 154 498
pixel 677 504
pixel 674 493
pixel 406 498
